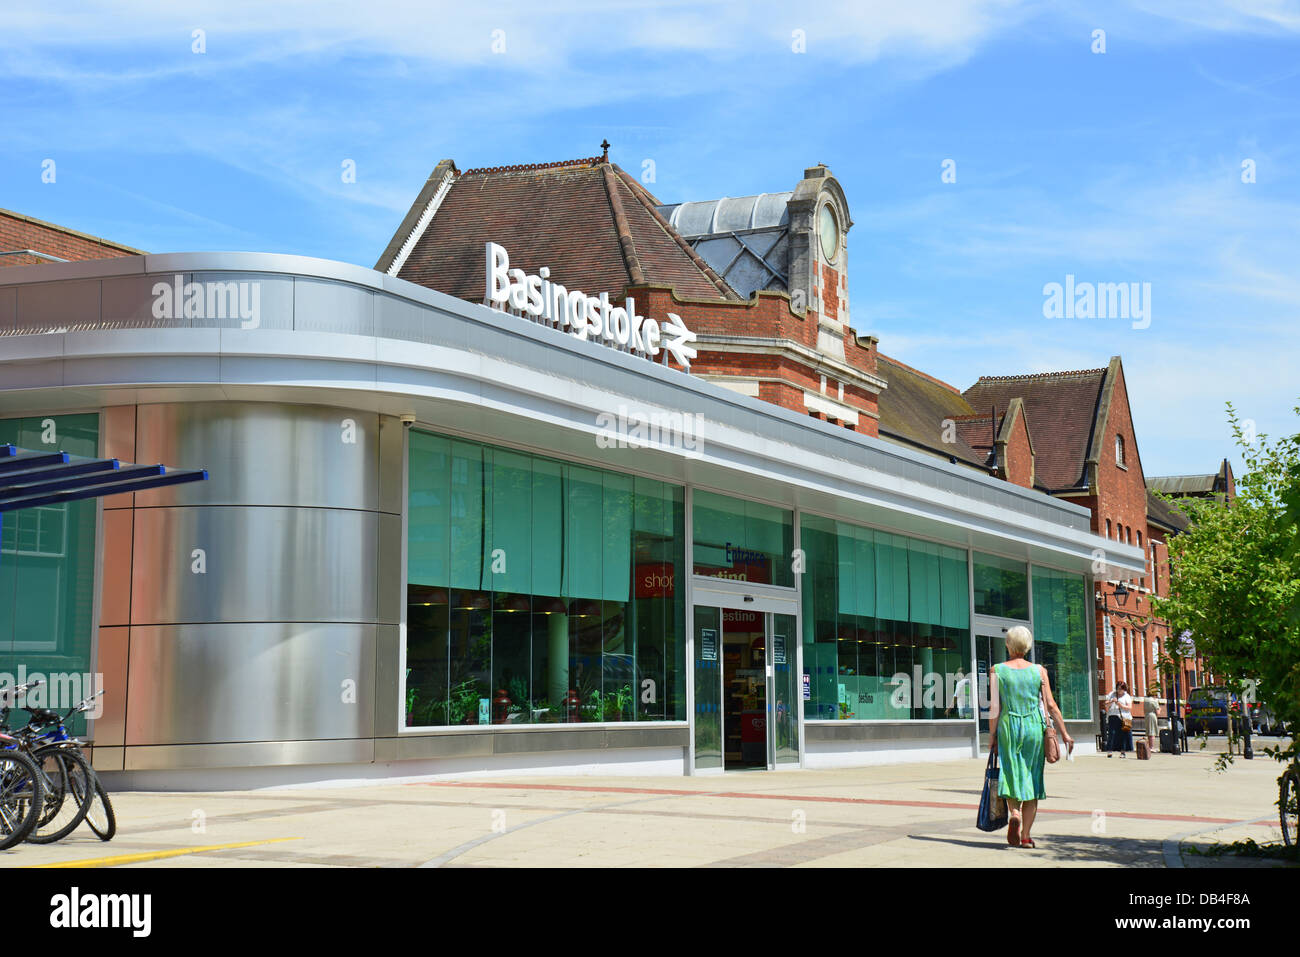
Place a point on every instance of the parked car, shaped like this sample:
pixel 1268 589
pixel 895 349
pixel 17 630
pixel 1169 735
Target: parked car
pixel 1207 710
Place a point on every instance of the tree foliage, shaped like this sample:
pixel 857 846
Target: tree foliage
pixel 1235 577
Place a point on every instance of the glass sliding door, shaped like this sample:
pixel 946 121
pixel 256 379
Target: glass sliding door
pixel 748 689
pixel 785 693
pixel 990 650
pixel 708 688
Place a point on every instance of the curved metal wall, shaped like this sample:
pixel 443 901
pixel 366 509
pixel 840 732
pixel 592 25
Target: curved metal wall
pixel 257 601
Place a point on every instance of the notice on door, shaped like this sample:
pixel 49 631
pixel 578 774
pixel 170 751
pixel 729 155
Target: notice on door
pixel 708 644
pixel 778 649
pixel 807 687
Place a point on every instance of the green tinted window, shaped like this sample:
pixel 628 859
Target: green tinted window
pixel 1001 587
pixel 1062 640
pixel 882 612
pixel 540 591
pixel 47 565
pixel 745 541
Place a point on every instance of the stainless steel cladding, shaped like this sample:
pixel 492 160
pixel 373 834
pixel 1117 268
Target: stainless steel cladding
pixel 239 563
pixel 264 454
pixel 287 681
pixel 255 596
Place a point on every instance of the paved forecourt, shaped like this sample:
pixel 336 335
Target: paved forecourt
pixel 1100 812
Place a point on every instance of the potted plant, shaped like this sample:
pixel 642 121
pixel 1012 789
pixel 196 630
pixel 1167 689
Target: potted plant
pixel 412 699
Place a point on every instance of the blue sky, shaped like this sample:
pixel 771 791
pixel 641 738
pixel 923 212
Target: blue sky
pixel 1122 166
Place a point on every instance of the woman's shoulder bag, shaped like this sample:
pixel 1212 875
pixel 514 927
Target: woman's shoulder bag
pixel 1051 746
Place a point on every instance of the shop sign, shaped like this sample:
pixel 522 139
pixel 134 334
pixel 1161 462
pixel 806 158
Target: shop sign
pixel 591 318
pixel 655 580
pixel 708 644
pixel 778 649
pixel 742 620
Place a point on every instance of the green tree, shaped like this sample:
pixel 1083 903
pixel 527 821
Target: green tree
pixel 1235 578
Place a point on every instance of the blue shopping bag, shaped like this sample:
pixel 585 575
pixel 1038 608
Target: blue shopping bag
pixel 993 809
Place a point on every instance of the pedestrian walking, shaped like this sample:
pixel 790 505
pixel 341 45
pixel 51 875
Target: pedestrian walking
pixel 963 697
pixel 1151 707
pixel 1019 694
pixel 1119 721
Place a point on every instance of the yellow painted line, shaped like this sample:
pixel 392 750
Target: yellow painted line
pixel 158 855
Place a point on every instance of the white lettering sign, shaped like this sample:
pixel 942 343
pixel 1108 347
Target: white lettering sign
pixel 592 318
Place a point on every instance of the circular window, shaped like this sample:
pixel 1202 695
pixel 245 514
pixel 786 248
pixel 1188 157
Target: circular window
pixel 829 231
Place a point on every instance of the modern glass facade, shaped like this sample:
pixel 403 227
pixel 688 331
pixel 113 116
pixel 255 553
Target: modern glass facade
pixel 455 583
pixel 540 591
pixel 1062 638
pixel 47 563
pixel 886 622
pixel 1001 587
pixel 742 541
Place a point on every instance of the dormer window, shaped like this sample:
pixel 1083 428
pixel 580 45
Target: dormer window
pixel 1119 451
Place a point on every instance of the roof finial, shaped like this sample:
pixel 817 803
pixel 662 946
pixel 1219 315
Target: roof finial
pixel 604 155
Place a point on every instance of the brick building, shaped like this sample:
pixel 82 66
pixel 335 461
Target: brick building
pixel 763 280
pixel 782 333
pixel 25 241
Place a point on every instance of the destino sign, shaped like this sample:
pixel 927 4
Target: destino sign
pixel 584 316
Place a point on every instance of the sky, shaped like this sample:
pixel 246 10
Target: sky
pixel 988 149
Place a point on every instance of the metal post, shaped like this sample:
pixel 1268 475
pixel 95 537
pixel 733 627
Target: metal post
pixel 1247 751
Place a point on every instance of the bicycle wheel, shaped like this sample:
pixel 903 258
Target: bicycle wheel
pixel 69 790
pixel 1288 807
pixel 22 796
pixel 100 817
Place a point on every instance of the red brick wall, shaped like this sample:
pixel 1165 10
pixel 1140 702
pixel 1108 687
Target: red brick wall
pixel 765 317
pixel 1019 467
pixel 830 292
pixel 18 232
pixel 1122 498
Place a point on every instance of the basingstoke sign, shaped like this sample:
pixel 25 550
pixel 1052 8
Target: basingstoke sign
pixel 584 316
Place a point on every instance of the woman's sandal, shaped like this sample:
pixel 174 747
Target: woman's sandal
pixel 1028 842
pixel 1013 832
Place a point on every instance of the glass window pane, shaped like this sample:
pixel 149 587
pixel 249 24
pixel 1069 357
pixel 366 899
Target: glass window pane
pixel 511 548
pixel 428 543
pixel 468 521
pixel 746 541
pixel 47 568
pixel 708 688
pixel 563 633
pixel 1062 642
pixel 1001 587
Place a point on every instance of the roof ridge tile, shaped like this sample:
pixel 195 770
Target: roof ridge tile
pixel 584 162
pixel 1040 375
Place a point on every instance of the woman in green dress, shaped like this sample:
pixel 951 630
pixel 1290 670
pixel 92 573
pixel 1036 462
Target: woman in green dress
pixel 1018 694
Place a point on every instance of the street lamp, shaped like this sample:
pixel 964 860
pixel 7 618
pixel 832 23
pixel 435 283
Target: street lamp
pixel 1121 594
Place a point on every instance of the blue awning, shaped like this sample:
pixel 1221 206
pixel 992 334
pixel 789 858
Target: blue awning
pixel 28 479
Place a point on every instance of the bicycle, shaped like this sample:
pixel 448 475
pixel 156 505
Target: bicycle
pixel 100 817
pixel 1288 804
pixel 67 780
pixel 22 795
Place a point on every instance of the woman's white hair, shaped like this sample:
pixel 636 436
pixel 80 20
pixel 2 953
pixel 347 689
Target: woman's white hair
pixel 1019 640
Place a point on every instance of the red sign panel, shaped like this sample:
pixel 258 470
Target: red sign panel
pixel 655 580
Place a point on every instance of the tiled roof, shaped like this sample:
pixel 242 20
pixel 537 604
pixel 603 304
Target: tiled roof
pixel 1184 484
pixel 914 407
pixel 1162 513
pixel 1060 408
pixel 589 221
